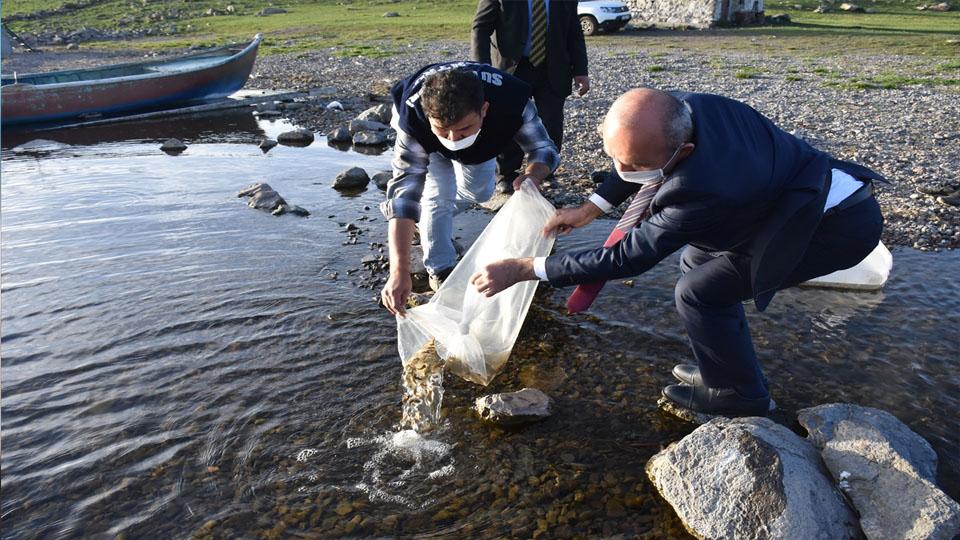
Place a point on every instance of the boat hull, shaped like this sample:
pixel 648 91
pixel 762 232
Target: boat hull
pixel 27 103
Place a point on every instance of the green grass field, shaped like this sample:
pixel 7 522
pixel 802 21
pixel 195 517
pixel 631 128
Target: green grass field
pixel 359 28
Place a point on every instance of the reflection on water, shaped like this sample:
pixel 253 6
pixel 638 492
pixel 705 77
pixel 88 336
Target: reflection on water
pixel 175 363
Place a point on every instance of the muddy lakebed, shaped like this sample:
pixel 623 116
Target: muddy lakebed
pixel 175 364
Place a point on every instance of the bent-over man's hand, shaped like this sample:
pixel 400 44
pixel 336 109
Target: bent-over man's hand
pixel 395 292
pixel 503 274
pixel 518 181
pixel 568 219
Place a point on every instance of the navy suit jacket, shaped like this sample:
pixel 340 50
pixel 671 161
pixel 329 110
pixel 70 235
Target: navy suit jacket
pixel 748 187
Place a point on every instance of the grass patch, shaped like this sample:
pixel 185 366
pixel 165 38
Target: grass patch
pixel 358 26
pixel 308 24
pixel 747 72
pixel 792 77
pixel 656 68
pixel 889 81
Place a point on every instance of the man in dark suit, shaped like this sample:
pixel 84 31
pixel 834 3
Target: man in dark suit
pixel 758 210
pixel 541 43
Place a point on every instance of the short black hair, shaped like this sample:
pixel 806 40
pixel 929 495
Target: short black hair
pixel 450 95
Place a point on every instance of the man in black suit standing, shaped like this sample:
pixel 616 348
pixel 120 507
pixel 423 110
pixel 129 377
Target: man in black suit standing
pixel 541 43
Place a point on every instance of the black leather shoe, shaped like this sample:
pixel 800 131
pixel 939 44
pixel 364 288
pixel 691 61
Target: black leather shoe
pixel 688 374
pixel 505 186
pixel 718 401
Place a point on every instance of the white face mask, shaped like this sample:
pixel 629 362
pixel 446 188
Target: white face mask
pixel 465 142
pixel 646 177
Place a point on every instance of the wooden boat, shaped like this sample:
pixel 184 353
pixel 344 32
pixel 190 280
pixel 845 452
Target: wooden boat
pixel 121 88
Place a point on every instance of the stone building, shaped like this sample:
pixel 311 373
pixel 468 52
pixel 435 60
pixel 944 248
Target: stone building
pixel 696 13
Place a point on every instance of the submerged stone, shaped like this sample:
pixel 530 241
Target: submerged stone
pixel 514 408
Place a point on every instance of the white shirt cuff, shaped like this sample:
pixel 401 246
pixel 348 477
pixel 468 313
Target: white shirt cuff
pixel 540 268
pixel 601 203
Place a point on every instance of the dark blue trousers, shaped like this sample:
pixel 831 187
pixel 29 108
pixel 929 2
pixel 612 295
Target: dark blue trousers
pixel 713 286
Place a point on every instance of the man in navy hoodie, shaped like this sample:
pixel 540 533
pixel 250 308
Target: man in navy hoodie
pixel 756 210
pixel 452 121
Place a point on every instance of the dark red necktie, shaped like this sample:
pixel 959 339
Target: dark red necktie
pixel 585 294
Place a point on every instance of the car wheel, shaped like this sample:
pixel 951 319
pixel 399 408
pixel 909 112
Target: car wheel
pixel 589 25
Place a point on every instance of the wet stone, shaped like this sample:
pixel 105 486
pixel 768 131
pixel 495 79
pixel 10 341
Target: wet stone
pixel 382 178
pixel 267 144
pixel 173 146
pixel 298 137
pixel 352 178
pixel 340 135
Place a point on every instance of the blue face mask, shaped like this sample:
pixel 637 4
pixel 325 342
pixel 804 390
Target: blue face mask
pixel 647 177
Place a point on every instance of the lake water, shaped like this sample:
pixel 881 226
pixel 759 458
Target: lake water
pixel 177 364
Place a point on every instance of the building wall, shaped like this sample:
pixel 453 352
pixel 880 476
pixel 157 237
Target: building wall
pixel 695 13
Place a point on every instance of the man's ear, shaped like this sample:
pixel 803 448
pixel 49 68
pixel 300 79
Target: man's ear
pixel 483 109
pixel 685 150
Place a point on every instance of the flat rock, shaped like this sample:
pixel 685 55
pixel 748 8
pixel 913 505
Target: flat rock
pixel 381 113
pixel 887 470
pixel 270 11
pixel 750 478
pixel 340 135
pixel 173 146
pixel 370 138
pixel 352 178
pixel 689 415
pixel 356 126
pixel 298 137
pixel 514 408
pixel 382 178
pixel 40 145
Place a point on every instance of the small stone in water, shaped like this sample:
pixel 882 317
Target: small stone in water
pixel 173 146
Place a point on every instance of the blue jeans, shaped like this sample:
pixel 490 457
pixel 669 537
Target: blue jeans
pixel 450 188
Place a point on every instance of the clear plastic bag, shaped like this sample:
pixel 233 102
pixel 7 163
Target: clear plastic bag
pixel 474 334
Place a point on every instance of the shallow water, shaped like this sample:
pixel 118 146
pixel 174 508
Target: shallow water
pixel 175 363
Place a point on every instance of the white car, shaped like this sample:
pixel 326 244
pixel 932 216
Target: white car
pixel 610 15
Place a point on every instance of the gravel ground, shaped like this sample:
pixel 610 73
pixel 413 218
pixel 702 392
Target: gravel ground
pixel 910 135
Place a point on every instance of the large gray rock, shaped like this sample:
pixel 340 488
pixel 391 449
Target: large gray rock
pixel 263 197
pixel 750 478
pixel 379 113
pixel 887 470
pixel 42 145
pixel 352 178
pixel 514 408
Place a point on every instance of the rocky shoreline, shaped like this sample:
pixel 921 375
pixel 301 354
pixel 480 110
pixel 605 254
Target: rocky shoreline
pixel 910 134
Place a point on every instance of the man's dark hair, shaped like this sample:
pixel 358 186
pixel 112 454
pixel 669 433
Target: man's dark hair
pixel 450 95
